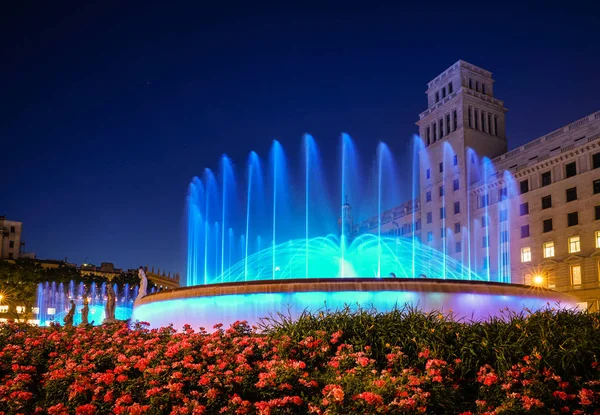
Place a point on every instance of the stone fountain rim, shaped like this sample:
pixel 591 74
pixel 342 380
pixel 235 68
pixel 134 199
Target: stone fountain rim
pixel 371 284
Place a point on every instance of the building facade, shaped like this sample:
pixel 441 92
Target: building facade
pixel 10 238
pixel 530 215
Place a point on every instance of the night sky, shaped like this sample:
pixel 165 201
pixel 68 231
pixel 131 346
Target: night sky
pixel 108 110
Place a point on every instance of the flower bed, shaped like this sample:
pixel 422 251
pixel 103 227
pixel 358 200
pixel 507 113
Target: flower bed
pixel 359 362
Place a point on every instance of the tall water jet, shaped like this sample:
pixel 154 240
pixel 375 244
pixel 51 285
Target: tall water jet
pixel 228 196
pixel 210 214
pixel 195 205
pixel 254 182
pixel 349 183
pixel 279 186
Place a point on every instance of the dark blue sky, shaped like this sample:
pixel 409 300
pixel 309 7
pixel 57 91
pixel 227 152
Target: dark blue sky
pixel 109 109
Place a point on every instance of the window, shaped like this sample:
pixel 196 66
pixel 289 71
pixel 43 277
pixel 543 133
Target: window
pixel 10 255
pixel 441 128
pixel 477 86
pixel 429 217
pixel 596 186
pixel 483 88
pixel 457 227
pixel 496 126
pixel 524 186
pixel 476 118
pixel 571 169
pixel 470 83
pixel 428 135
pixel 503 237
pixel 546 178
pixel 571 194
pixel 597 211
pixel 484 200
pixel 489 123
pixel 596 160
pixel 11 244
pixel 574 245
pixel 437 97
pixel 12 229
pixel 524 209
pixel 547 225
pixel 526 254
pixel 503 215
pixel 547 202
pixel 572 219
pixel 548 249
pixel 447 124
pixel 485 242
pixel 442 193
pixel 469 111
pixel 428 173
pixel 455 115
pixel 418 225
pixel 524 231
pixel 484 221
pixel 483 121
pixel 442 213
pixel 442 232
pixel 429 236
pixel 502 193
pixel 486 262
pixel 456 208
pixel 597 239
pixel 450 87
pixel 434 132
pixel 575 274
pixel 455 160
pixel 458 247
pixel 3 309
pixel 444 92
pixel 442 167
pixel 455 185
pixel 428 197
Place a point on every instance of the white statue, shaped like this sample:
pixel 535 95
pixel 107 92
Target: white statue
pixel 143 283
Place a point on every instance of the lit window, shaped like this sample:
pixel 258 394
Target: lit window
pixel 526 254
pixel 3 309
pixel 548 249
pixel 20 309
pixel 457 227
pixel 574 245
pixel 428 197
pixel 429 236
pixel 428 173
pixel 458 247
pixel 597 239
pixel 576 274
pixel 35 310
pixel 455 185
pixel 51 311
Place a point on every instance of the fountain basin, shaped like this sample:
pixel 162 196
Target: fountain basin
pixel 207 305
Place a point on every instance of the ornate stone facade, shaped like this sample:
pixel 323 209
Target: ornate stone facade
pixel 530 215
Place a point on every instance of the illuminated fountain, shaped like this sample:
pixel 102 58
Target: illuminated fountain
pixel 53 302
pixel 289 247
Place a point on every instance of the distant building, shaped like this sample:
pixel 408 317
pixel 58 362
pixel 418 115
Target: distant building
pixel 163 281
pixel 106 269
pixel 10 238
pixel 530 215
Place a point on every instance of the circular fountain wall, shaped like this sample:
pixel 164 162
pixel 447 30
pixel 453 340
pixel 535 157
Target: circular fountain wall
pixel 207 305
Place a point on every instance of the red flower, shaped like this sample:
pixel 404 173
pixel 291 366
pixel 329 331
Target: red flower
pixel 87 409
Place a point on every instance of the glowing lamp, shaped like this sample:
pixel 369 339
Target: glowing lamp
pixel 538 280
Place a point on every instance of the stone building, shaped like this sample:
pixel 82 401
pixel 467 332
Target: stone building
pixel 10 238
pixel 530 215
